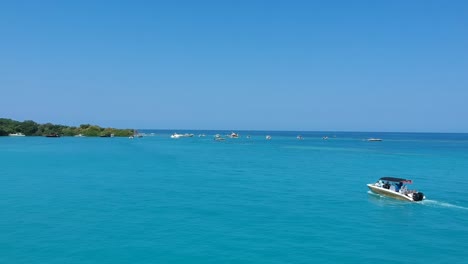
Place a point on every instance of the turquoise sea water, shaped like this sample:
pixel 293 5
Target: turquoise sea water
pixel 195 200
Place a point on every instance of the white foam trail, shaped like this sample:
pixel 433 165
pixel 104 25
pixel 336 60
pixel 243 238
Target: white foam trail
pixel 427 202
pixel 441 204
pixel 376 194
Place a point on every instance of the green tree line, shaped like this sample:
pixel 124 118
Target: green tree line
pixel 31 128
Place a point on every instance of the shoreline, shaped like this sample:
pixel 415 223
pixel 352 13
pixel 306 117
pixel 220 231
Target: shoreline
pixel 10 127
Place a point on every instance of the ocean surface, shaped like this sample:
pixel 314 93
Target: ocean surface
pixel 195 200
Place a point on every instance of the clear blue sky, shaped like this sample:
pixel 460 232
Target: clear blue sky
pixel 265 65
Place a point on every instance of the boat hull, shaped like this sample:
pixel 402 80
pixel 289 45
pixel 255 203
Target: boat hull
pixel 389 193
pixel 16 135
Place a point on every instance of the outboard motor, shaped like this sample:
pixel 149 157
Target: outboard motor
pixel 419 196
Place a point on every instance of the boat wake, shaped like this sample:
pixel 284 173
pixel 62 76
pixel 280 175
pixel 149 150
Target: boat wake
pixel 385 200
pixel 426 202
pixel 434 203
pixel 372 193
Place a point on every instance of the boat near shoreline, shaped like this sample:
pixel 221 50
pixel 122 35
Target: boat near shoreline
pixel 16 135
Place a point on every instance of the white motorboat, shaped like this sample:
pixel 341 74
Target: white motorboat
pixel 268 137
pixel 374 139
pixel 300 137
pixel 234 135
pixel 218 137
pixel 175 135
pixel 79 135
pixel 396 188
pixel 16 134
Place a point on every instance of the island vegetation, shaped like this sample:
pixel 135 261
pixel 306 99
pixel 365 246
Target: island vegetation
pixel 31 128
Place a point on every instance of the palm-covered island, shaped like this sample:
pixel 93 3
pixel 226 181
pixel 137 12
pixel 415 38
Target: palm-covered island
pixel 31 128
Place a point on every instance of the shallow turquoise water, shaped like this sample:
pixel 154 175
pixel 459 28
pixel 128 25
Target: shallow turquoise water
pixel 194 200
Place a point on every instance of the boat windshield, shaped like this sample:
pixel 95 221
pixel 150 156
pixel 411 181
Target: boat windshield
pixel 393 179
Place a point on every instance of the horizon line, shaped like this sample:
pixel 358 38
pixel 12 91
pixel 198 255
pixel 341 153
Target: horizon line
pixel 275 130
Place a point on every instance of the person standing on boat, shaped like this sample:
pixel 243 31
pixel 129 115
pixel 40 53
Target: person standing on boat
pixel 403 189
pixel 398 186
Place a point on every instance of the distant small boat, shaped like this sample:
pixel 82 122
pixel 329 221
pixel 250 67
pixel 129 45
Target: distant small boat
pixel 106 135
pixel 300 137
pixel 16 134
pixel 175 135
pixel 53 135
pixel 234 135
pixel 218 137
pixel 325 138
pixel 374 139
pixel 268 137
pixel 137 134
pixel 79 135
pixel 248 137
pixel 131 137
pixel 201 135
